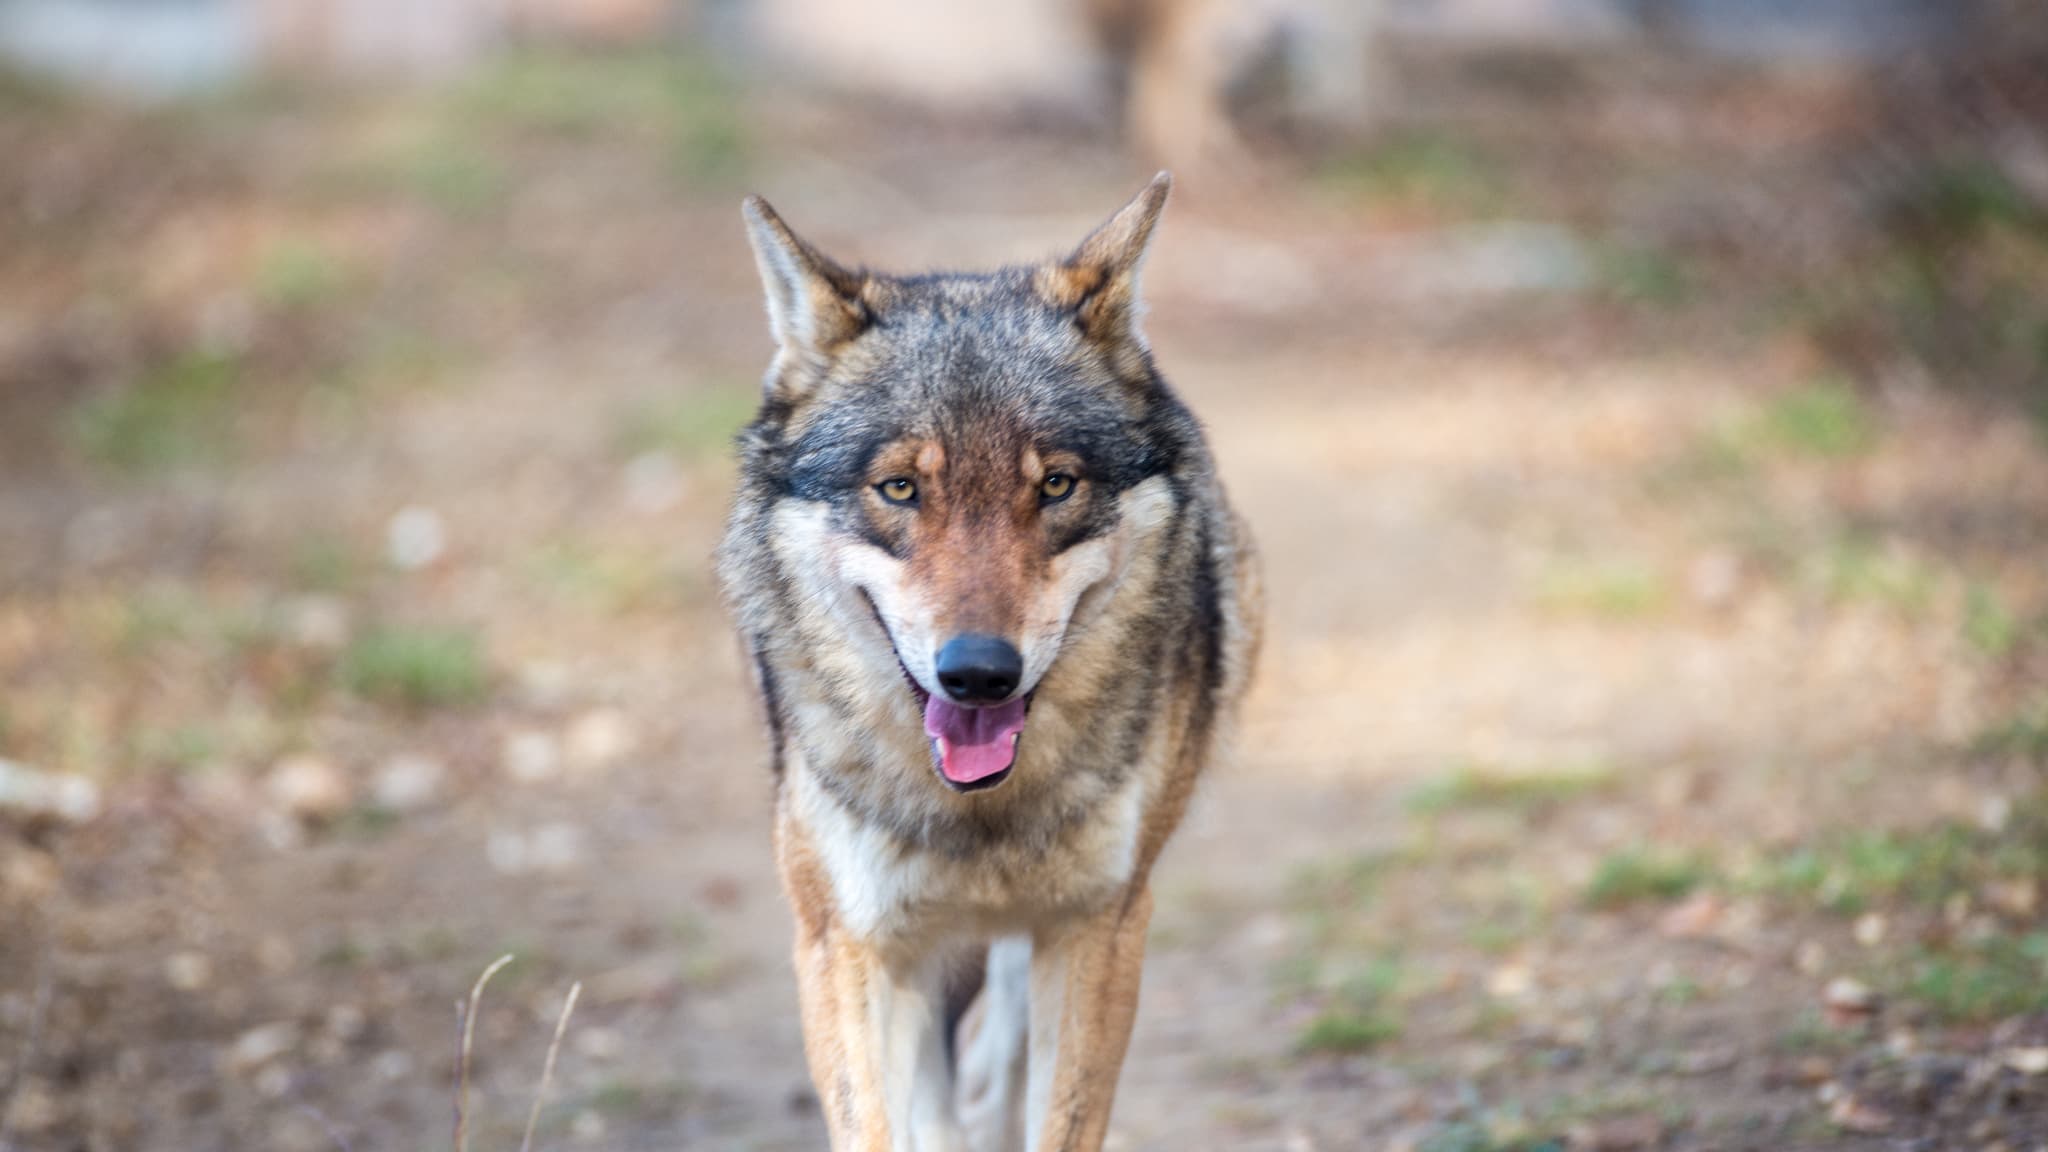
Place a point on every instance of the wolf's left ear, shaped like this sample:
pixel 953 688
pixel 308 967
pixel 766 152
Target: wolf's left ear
pixel 1099 282
pixel 814 304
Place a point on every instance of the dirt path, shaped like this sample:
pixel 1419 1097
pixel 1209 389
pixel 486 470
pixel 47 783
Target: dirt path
pixel 1577 642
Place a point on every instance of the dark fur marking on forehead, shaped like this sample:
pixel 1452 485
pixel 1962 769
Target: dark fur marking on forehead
pixel 965 358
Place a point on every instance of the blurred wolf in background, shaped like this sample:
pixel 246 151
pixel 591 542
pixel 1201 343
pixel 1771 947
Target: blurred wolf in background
pixel 1001 615
pixel 1170 69
pixel 1177 62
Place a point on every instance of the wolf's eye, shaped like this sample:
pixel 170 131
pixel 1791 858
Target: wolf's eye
pixel 1057 487
pixel 898 491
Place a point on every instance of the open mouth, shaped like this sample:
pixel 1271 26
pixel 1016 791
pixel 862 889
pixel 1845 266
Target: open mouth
pixel 973 747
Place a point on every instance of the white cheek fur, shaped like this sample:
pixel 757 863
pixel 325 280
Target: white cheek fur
pixel 1086 577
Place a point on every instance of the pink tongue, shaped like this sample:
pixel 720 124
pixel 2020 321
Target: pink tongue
pixel 974 743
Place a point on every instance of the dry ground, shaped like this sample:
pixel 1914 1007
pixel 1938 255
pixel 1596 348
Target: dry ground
pixel 1647 755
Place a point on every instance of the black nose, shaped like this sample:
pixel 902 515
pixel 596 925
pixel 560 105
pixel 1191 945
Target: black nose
pixel 978 669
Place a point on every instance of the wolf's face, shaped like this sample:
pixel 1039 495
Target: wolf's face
pixel 964 467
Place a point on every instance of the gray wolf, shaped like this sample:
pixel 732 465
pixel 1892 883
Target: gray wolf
pixel 1000 615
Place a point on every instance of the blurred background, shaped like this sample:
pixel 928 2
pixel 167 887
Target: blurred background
pixel 1643 405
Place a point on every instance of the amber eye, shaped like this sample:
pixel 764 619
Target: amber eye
pixel 1057 487
pixel 898 490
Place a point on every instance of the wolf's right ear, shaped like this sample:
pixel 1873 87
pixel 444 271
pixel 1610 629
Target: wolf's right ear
pixel 814 305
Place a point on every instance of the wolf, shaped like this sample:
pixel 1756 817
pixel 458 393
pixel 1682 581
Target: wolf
pixel 1001 617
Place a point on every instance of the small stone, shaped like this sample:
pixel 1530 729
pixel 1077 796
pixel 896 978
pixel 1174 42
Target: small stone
pixel 1848 999
pixel 1870 929
pixel 319 623
pixel 1994 813
pixel 2027 1061
pixel 308 789
pixel 599 1044
pixel 588 1126
pixel 1810 957
pixel 408 782
pixel 415 538
pixel 392 1065
pixel 530 757
pixel 557 847
pixel 544 684
pixel 259 1046
pixel 1510 982
pixel 506 850
pixel 31 794
pixel 188 971
pixel 598 739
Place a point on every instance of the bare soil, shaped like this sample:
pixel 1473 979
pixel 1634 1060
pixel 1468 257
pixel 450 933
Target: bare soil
pixel 1589 616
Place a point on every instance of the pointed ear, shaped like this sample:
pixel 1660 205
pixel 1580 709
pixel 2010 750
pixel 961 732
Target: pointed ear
pixel 1099 282
pixel 813 304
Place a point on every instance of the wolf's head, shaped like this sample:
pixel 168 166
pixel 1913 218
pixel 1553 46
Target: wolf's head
pixel 957 472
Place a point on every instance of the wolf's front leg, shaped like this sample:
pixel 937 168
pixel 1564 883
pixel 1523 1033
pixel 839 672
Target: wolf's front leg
pixel 1084 996
pixel 874 1030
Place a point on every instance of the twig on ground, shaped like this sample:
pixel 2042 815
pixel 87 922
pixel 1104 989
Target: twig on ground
pixel 547 1072
pixel 465 1023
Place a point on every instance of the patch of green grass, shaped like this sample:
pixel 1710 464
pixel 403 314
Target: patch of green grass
pixel 1923 868
pixel 603 580
pixel 1988 625
pixel 683 102
pixel 2023 735
pixel 1965 197
pixel 325 563
pixel 26 92
pixel 1810 1033
pixel 697 424
pixel 419 667
pixel 1346 1030
pixel 1420 169
pixel 1472 1136
pixel 1611 589
pixel 157 615
pixel 1348 882
pixel 1639 876
pixel 1995 978
pixel 178 414
pixel 1643 275
pixel 182 748
pixel 1531 791
pixel 461 179
pixel 1358 1015
pixel 639 1099
pixel 1827 419
pixel 1855 568
pixel 298 273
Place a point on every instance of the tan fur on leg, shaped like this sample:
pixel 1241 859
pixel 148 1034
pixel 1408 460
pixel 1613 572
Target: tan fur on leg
pixel 1084 997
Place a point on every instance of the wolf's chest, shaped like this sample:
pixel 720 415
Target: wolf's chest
pixel 885 890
